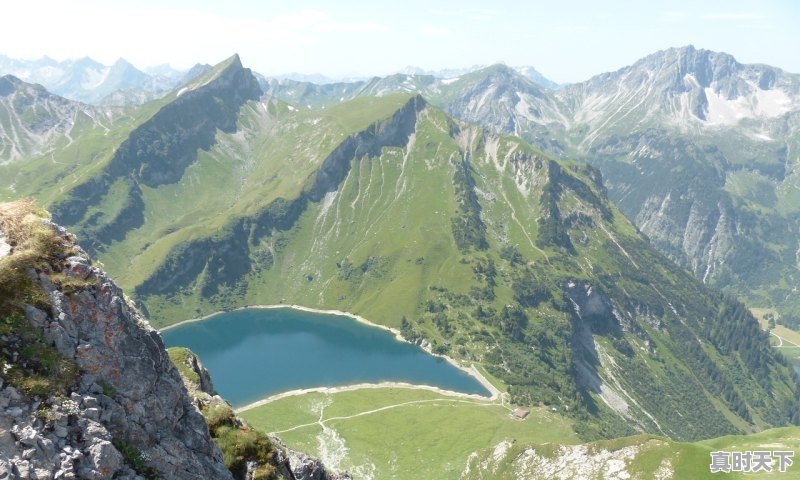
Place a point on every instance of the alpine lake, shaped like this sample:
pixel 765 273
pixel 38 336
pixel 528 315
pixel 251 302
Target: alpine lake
pixel 255 353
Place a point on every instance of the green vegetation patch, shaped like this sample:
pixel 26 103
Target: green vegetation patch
pixel 401 433
pixel 137 460
pixel 239 443
pixel 31 364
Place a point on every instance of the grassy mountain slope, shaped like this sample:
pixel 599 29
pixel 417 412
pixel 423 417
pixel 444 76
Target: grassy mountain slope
pixel 449 438
pixel 486 247
pixel 698 150
pixel 400 433
pixel 71 142
pixel 464 234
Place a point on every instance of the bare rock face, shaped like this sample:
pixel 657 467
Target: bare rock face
pixel 204 377
pixel 129 407
pixel 294 465
pixel 289 464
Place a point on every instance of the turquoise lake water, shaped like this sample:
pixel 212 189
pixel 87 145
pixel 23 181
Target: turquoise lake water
pixel 254 353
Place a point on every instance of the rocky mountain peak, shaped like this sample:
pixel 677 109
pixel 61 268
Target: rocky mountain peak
pixel 537 77
pixel 8 84
pixel 194 72
pixel 122 63
pixel 684 85
pixel 688 68
pixel 230 77
pixel 232 62
pixel 87 62
pixel 503 80
pixel 501 70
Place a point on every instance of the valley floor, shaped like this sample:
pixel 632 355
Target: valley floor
pixel 403 433
pixel 400 432
pixel 395 430
pixel 786 340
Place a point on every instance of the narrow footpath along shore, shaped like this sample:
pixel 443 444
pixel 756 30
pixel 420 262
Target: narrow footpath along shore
pixel 471 370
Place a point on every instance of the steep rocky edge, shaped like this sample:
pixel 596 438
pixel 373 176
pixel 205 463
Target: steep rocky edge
pixel 281 461
pixel 104 398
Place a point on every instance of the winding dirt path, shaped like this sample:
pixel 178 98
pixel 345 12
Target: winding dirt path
pixel 443 402
pixel 782 340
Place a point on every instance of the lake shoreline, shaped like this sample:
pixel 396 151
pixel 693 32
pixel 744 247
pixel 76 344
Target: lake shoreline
pixel 360 386
pixel 471 371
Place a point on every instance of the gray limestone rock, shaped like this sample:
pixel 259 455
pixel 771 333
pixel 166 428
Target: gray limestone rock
pixel 128 392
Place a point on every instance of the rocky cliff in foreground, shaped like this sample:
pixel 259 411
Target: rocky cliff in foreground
pixel 87 390
pixel 274 461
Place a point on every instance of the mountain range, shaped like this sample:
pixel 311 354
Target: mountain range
pixel 489 249
pixel 698 150
pixel 88 81
pixel 121 84
pixel 450 73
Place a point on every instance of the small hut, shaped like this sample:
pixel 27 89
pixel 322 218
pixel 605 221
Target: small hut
pixel 521 413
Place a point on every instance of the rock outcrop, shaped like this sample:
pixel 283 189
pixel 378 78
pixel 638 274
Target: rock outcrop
pixel 286 463
pixel 126 414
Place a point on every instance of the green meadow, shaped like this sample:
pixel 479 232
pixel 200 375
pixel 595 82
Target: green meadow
pixel 400 433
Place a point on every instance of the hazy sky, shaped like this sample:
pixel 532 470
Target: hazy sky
pixel 566 40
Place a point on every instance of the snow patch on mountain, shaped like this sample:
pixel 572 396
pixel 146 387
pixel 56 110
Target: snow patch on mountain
pixel 761 103
pixel 94 77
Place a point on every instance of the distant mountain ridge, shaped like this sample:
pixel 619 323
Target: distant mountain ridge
pixel 447 74
pixel 699 150
pixel 36 121
pixel 89 81
pixel 122 84
pixel 451 73
pixel 688 84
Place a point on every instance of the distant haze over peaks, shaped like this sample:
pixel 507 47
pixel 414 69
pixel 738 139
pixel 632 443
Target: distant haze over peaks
pixel 89 81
